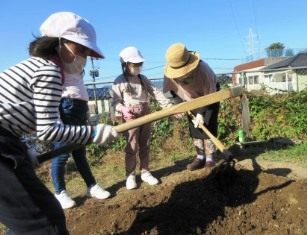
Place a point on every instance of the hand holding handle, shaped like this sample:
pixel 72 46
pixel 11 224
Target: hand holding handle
pixel 198 119
pixel 104 134
pixel 127 112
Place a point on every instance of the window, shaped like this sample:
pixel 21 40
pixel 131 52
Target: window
pixel 250 80
pixel 279 77
pixel 253 79
pixel 268 78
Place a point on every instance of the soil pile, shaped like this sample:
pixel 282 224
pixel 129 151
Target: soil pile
pixel 248 200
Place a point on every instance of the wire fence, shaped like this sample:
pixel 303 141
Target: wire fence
pixel 274 81
pixel 100 96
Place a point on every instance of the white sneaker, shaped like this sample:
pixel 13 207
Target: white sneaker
pixel 65 200
pixel 98 192
pixel 148 178
pixel 130 182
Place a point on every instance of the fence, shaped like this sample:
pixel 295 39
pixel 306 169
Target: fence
pixel 100 96
pixel 274 81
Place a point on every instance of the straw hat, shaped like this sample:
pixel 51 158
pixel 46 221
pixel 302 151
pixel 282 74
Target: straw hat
pixel 180 61
pixel 132 55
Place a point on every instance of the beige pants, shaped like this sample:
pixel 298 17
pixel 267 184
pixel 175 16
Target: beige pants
pixel 138 141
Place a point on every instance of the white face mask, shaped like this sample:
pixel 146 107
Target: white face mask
pixel 75 67
pixel 135 71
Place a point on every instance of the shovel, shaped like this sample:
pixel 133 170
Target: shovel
pixel 215 140
pixel 179 108
pixel 224 169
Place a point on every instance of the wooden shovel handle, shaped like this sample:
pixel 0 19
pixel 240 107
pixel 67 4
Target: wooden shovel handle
pixel 179 108
pixel 182 107
pixel 215 140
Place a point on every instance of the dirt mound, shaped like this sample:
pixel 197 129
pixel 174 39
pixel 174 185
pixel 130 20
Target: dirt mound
pixel 246 201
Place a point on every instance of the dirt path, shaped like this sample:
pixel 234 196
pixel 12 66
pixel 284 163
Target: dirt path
pixel 278 168
pixel 266 198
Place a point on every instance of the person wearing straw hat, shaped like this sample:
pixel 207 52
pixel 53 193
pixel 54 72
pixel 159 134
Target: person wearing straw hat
pixel 187 77
pixel 30 95
pixel 130 96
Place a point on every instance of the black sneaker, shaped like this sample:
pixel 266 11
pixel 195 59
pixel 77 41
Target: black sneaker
pixel 196 164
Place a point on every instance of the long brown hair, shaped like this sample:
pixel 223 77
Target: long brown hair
pixel 44 47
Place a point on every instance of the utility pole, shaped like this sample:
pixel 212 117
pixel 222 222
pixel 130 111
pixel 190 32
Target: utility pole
pixel 252 47
pixel 94 73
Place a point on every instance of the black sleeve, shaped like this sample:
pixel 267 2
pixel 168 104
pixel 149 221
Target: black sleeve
pixel 201 110
pixel 174 95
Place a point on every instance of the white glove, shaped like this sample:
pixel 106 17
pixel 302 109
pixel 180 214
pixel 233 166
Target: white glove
pixel 105 134
pixel 198 119
pixel 32 154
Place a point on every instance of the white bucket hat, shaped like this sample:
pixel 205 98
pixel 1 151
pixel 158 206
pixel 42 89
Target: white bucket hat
pixel 74 28
pixel 132 55
pixel 180 61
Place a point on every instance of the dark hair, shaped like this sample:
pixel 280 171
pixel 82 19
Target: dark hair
pixel 44 47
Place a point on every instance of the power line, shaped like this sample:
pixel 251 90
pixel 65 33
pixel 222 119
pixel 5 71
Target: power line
pixel 221 59
pixel 160 66
pixel 235 21
pixel 154 67
pixel 255 18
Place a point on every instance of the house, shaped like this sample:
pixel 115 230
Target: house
pixel 289 74
pixel 250 75
pixel 276 73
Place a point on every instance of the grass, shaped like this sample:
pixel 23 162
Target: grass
pixel 296 154
pixel 109 169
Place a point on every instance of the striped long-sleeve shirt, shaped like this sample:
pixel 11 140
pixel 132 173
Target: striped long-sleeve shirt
pixel 30 93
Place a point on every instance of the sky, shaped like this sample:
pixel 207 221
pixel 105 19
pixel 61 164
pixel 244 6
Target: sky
pixel 223 32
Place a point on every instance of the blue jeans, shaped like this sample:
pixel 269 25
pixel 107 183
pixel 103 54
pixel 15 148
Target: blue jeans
pixel 72 112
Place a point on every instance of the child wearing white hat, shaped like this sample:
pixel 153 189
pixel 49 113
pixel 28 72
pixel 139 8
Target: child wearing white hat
pixel 73 30
pixel 131 92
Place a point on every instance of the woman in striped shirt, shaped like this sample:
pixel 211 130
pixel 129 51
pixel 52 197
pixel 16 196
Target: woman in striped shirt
pixel 30 94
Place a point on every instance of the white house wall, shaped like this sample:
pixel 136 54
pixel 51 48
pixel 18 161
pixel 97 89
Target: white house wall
pixel 302 80
pixel 275 82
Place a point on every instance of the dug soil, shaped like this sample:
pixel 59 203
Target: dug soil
pixel 253 198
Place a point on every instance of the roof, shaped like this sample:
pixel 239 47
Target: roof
pixel 257 64
pixel 297 61
pixel 249 65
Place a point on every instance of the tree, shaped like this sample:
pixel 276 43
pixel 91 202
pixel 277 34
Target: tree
pixel 276 49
